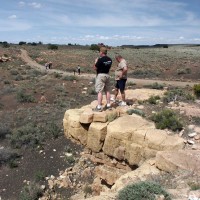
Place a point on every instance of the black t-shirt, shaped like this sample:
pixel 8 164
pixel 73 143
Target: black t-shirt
pixel 103 65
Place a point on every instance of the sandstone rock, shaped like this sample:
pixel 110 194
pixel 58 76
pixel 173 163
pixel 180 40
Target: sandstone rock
pixel 86 116
pixel 100 117
pixel 109 174
pixel 170 161
pixel 96 135
pixel 140 174
pixel 72 126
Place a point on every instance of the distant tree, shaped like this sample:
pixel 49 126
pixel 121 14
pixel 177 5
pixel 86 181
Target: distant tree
pixel 5 44
pixel 69 44
pixel 34 44
pixel 22 43
pixel 53 46
pixel 165 46
pixel 40 43
pixel 94 47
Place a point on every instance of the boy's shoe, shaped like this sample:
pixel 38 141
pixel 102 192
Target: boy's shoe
pixel 97 109
pixel 108 107
pixel 112 99
pixel 122 103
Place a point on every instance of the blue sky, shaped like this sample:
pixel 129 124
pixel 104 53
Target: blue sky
pixel 112 22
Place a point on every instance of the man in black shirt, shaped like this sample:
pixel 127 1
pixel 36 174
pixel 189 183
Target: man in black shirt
pixel 102 66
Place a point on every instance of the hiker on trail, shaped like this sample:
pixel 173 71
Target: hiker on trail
pixel 102 66
pixel 79 70
pixel 50 65
pixel 120 78
pixel 74 70
pixel 46 65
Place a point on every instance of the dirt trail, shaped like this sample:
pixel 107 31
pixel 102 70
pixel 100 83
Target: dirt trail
pixel 32 63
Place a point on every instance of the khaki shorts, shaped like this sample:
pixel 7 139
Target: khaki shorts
pixel 102 83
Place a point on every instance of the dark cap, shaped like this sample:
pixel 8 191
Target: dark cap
pixel 103 50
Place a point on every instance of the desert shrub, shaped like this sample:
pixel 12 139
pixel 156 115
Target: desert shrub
pixel 135 111
pixel 53 130
pixel 155 85
pixel 8 156
pixel 173 95
pixel 69 78
pixel 153 99
pixel 52 46
pixel 142 191
pixel 184 71
pixel 4 131
pixel 36 73
pixel 194 185
pixel 23 97
pixel 31 192
pixel 87 189
pixel 19 78
pixel 167 119
pixel 130 83
pixel 28 135
pixel 57 75
pixel 70 159
pixel 39 175
pixel 14 72
pixel 145 73
pixel 92 91
pixel 112 116
pixel 196 89
pixel 6 82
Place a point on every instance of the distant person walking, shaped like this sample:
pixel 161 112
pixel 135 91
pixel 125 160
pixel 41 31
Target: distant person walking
pixel 120 78
pixel 102 66
pixel 48 65
pixel 74 70
pixel 79 70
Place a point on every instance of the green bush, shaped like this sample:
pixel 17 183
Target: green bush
pixel 31 192
pixel 155 85
pixel 167 119
pixel 28 135
pixel 196 89
pixel 69 78
pixel 23 97
pixel 142 191
pixel 135 111
pixel 153 99
pixel 53 130
pixel 52 46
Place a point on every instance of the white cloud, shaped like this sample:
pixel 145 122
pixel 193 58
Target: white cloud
pixel 12 17
pixel 14 26
pixel 21 3
pixel 35 5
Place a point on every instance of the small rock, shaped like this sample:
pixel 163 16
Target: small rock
pixel 191 135
pixel 197 137
pixel 190 142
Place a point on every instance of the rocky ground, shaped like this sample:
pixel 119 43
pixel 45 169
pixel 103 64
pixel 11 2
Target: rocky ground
pixel 38 98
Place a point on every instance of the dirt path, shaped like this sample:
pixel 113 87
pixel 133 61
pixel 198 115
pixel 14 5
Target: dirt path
pixel 32 63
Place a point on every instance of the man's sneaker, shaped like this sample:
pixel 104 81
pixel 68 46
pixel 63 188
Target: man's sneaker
pixel 108 107
pixel 123 103
pixel 113 99
pixel 97 109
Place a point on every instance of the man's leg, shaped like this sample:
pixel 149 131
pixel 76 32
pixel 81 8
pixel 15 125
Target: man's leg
pixel 99 98
pixel 123 95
